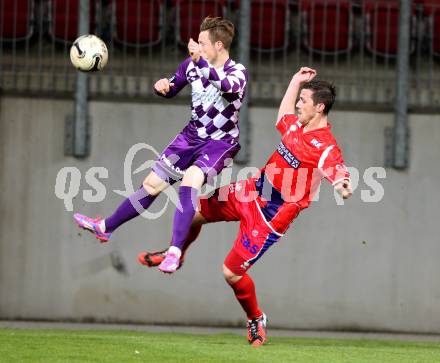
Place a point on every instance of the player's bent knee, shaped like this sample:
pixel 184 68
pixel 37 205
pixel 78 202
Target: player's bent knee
pixel 154 184
pixel 150 187
pixel 193 177
pixel 229 276
pixel 198 220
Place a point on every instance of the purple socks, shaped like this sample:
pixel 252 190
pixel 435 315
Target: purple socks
pixel 141 200
pixel 183 218
pixel 131 207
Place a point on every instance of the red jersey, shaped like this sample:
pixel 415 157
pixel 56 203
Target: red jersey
pixel 293 173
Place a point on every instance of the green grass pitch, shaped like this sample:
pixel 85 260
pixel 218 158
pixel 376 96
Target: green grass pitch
pixel 23 345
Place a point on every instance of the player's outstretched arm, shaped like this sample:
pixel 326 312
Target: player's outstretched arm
pixel 170 87
pixel 287 105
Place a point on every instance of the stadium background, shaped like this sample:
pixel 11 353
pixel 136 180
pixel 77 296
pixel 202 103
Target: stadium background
pixel 364 266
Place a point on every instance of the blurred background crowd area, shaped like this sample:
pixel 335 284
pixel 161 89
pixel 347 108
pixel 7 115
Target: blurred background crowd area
pixel 354 43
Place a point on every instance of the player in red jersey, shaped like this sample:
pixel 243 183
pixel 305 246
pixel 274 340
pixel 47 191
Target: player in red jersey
pixel 267 204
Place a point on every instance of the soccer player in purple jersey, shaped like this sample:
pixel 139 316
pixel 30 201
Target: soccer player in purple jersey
pixel 203 148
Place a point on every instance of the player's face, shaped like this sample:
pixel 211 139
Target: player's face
pixel 306 110
pixel 208 49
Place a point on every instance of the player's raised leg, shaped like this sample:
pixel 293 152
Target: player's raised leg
pixel 177 156
pixel 130 208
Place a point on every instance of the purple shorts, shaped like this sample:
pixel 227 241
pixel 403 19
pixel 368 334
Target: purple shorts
pixel 212 156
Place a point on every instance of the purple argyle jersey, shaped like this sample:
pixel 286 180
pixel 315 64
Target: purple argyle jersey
pixel 210 140
pixel 216 96
pixel 187 149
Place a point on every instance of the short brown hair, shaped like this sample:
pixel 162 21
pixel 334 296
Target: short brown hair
pixel 219 30
pixel 323 92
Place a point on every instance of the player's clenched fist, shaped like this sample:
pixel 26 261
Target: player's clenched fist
pixel 344 188
pixel 305 74
pixel 194 50
pixel 163 86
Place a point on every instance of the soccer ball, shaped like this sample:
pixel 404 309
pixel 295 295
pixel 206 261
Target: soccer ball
pixel 88 53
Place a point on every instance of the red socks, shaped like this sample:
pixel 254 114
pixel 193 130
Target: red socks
pixel 244 290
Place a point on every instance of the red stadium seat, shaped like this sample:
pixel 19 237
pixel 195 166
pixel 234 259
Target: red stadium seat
pixel 16 19
pixel 63 19
pixel 382 27
pixel 138 22
pixel 190 13
pixel 327 25
pixel 269 24
pixel 431 11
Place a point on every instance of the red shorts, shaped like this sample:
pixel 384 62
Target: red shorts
pixel 235 203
